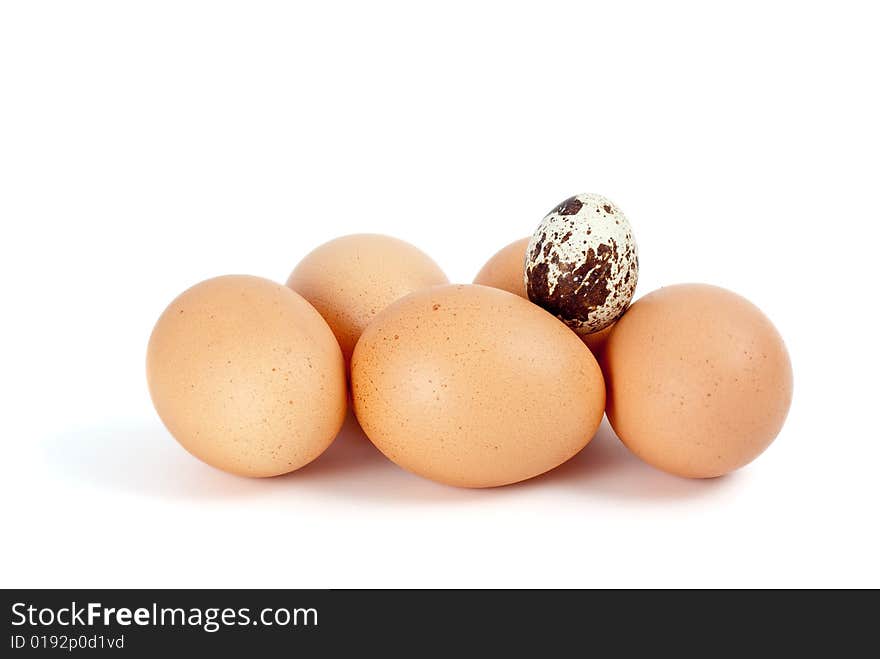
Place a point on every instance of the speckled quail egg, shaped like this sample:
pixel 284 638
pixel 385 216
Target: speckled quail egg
pixel 582 264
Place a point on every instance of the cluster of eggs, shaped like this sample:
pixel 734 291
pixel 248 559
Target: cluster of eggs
pixel 474 385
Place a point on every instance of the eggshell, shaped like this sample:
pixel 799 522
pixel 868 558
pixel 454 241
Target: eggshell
pixel 351 279
pixel 596 340
pixel 582 263
pixel 475 387
pixel 506 269
pixel 699 380
pixel 247 376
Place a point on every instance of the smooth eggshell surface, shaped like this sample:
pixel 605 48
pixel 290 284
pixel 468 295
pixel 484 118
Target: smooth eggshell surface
pixel 506 269
pixel 475 387
pixel 699 380
pixel 247 376
pixel 351 279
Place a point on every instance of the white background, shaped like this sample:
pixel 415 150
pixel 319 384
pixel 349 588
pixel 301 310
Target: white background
pixel 147 146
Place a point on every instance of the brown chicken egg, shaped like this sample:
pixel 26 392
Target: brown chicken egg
pixel 247 376
pixel 506 269
pixel 474 386
pixel 351 279
pixel 699 380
